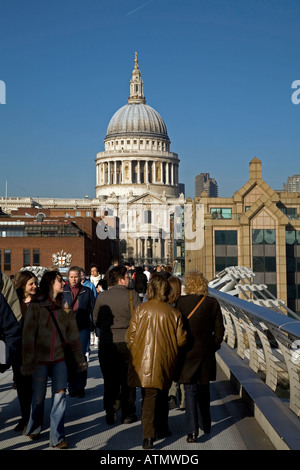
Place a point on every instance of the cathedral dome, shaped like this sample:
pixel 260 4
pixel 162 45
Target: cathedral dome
pixel 137 119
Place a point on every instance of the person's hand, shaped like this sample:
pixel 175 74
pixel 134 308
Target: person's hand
pixel 3 368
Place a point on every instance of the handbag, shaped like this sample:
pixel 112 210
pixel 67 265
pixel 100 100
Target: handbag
pixel 71 363
pixel 194 309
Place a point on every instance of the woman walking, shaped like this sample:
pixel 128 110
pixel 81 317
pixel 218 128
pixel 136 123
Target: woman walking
pixel 154 336
pixel 204 324
pixel 43 356
pixel 26 287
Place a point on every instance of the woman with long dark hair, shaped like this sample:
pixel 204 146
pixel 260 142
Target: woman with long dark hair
pixel 43 356
pixel 26 285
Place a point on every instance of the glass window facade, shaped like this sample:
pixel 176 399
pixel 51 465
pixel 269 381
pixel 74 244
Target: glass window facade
pixel 221 213
pixel 292 238
pixel 226 250
pixel 264 257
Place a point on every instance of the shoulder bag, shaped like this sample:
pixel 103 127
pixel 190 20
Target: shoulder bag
pixel 194 309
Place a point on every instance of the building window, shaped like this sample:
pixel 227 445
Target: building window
pixel 26 257
pixel 264 264
pixel 220 212
pixel 226 250
pixel 293 269
pixel 36 257
pixel 226 237
pixel 222 262
pixel 77 213
pixel 88 213
pixel 264 257
pixel 263 237
pixel 7 260
pixel 147 217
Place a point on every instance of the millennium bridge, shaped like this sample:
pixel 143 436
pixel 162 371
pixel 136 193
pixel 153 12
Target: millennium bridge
pixel 255 401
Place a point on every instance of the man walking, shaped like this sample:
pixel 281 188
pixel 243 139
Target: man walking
pixel 112 313
pixel 82 301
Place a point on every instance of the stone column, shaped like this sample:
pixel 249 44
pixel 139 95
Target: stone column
pixel 108 173
pixel 138 172
pixel 115 172
pixel 167 173
pixel 146 172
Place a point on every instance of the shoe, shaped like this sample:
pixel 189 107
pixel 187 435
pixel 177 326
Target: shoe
pixel 61 445
pixel 111 417
pixel 73 394
pixel 148 443
pixel 130 419
pixel 20 426
pixel 192 437
pixel 34 437
pixel 80 393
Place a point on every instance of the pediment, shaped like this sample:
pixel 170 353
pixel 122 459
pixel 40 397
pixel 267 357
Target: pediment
pixel 263 207
pixel 147 198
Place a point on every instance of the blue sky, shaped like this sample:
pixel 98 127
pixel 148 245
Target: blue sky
pixel 219 72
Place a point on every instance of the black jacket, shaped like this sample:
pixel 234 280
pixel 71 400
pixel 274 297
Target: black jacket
pixel 86 302
pixel 205 333
pixel 10 332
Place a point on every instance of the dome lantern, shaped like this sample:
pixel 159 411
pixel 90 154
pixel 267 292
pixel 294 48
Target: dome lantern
pixel 136 85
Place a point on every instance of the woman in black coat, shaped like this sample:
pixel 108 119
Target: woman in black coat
pixel 204 323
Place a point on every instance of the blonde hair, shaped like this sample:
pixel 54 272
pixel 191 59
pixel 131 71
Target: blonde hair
pixel 175 291
pixel 195 283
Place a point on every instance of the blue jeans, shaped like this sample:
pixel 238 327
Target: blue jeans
pixel 79 383
pixel 58 374
pixel 197 399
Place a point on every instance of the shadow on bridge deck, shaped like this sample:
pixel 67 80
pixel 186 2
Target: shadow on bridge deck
pixel 233 425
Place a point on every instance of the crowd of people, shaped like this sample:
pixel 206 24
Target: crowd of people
pixel 153 331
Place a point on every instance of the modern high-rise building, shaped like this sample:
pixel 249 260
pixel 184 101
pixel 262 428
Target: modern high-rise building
pixel 203 182
pixel 293 184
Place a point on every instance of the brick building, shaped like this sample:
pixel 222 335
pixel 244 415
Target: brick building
pixel 36 236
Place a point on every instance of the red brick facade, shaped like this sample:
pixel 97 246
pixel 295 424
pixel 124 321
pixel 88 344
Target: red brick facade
pixel 76 236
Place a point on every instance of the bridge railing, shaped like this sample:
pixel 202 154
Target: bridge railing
pixel 268 340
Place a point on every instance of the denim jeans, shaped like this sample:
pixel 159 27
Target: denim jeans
pixel 197 399
pixel 58 374
pixel 81 377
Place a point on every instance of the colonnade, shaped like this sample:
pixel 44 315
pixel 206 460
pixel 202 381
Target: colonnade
pixel 137 171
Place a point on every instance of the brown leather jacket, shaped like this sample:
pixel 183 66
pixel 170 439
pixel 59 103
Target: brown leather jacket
pixel 155 333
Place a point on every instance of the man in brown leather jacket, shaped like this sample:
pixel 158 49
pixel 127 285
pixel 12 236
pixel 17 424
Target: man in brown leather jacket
pixel 112 313
pixel 155 335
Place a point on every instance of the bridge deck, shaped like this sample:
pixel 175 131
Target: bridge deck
pixel 233 426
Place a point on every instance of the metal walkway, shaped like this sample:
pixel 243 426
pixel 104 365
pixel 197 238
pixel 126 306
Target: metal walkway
pixel 233 427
